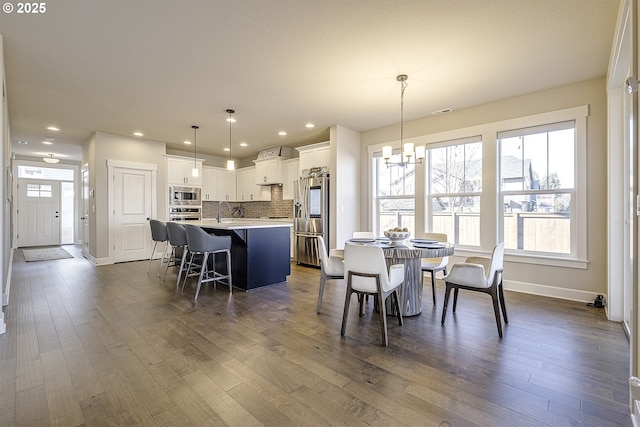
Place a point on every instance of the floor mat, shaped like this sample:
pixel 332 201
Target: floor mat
pixel 45 254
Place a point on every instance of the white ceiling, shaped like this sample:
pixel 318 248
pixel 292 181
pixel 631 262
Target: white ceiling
pixel 120 66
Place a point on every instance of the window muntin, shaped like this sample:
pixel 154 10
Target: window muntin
pixel 39 190
pixel 455 186
pixel 537 175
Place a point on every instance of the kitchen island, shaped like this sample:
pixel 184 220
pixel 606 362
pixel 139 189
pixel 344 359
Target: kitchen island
pixel 260 250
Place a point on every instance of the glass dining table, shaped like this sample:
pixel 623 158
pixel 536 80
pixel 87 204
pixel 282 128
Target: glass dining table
pixel 410 253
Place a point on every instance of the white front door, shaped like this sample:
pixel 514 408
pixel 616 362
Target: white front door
pixel 132 209
pixel 85 213
pixel 38 212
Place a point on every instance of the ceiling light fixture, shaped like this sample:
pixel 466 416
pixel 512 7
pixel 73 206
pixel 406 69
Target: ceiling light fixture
pixel 282 133
pixel 309 125
pixel 194 171
pixel 406 149
pixel 230 163
pixel 47 142
pixel 138 134
pixel 53 128
pixel 50 159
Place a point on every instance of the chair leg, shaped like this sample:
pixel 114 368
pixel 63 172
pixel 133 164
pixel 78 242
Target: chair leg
pixel 496 309
pixel 323 278
pixel 455 299
pixel 383 318
pixel 186 274
pixel 155 243
pixel 361 298
pixel 433 286
pixel 229 271
pixel 345 313
pixel 202 273
pixel 396 294
pixel 164 255
pixel 504 307
pixel 184 257
pixel 447 292
pixel 172 256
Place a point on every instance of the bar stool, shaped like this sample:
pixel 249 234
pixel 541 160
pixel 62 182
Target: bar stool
pixel 177 240
pixel 158 234
pixel 199 242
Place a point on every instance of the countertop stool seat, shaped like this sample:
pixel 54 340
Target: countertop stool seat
pixel 158 234
pixel 201 243
pixel 178 241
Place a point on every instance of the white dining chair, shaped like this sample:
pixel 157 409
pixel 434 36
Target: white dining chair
pixel 367 274
pixel 479 274
pixel 331 267
pixel 433 265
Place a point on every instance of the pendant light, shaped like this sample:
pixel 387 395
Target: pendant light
pixel 230 163
pixel 195 171
pixel 407 150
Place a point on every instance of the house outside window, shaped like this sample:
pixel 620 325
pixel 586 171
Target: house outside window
pixel 394 193
pixel 454 183
pixel 537 176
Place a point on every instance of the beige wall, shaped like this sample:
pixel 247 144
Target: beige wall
pixel 96 151
pixel 577 282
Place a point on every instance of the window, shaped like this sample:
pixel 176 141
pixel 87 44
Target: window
pixel 537 180
pixel 38 172
pixel 454 183
pixel 394 195
pixel 39 190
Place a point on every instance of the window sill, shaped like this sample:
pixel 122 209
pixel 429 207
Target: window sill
pixel 546 260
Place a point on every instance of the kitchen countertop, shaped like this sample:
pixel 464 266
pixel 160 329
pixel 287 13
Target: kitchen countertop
pixel 243 223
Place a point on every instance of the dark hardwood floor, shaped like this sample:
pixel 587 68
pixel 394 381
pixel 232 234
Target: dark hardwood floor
pixel 112 345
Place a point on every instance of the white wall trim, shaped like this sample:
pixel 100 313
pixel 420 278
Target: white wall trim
pixel 7 288
pixel 549 291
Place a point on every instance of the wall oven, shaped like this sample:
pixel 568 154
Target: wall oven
pixel 184 196
pixel 184 213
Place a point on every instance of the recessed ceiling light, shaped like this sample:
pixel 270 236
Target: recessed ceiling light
pixel 53 128
pixel 188 142
pixel 243 144
pixel 226 149
pixel 231 119
pixel 21 142
pixel 443 111
pixel 309 125
pixel 138 134
pixel 282 133
pixel 47 142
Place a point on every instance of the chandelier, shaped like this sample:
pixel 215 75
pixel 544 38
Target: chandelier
pixel 230 163
pixel 409 155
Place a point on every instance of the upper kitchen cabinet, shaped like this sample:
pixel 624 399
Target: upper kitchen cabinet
pixel 268 171
pixel 290 173
pixel 179 171
pixel 226 185
pixel 246 188
pixel 315 155
pixel 209 184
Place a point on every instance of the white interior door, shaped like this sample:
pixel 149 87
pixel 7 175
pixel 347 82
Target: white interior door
pixel 38 212
pixel 132 208
pixel 85 213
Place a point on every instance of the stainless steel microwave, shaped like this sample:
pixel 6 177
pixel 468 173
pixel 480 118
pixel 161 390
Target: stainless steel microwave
pixel 184 196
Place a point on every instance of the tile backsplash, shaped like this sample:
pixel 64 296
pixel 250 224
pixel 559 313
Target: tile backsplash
pixel 275 208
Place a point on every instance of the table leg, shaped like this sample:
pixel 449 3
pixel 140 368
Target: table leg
pixel 410 290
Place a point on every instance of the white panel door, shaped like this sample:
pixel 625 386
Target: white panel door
pixel 38 213
pixel 85 213
pixel 132 201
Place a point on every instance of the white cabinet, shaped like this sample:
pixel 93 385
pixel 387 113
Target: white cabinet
pixel 315 155
pixel 290 173
pixel 246 188
pixel 209 184
pixel 226 185
pixel 179 170
pixel 268 171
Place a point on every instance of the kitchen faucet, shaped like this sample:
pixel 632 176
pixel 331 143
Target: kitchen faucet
pixel 219 205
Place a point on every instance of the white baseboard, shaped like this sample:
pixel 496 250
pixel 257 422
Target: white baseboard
pixel 550 291
pixel 7 288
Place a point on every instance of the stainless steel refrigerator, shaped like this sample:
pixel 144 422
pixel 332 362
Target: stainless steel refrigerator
pixel 311 218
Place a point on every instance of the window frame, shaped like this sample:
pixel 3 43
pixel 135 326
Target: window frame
pixel 491 219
